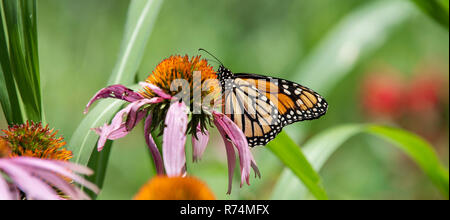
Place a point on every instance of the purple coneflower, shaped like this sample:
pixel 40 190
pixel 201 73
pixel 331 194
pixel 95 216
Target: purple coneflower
pixel 169 111
pixel 33 166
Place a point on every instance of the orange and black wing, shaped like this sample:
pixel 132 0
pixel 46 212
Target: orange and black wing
pixel 261 106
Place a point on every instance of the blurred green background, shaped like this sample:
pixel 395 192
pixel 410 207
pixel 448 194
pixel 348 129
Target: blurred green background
pixel 79 42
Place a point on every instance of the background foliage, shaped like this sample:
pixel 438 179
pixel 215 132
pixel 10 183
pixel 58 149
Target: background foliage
pixel 330 47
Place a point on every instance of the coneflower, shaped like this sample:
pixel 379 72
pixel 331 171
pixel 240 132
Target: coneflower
pixel 180 97
pixel 174 188
pixel 33 140
pixel 35 165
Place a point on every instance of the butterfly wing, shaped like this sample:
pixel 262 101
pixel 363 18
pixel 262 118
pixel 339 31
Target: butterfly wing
pixel 293 99
pixel 252 111
pixel 261 106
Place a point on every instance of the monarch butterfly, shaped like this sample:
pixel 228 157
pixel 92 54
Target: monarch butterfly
pixel 261 106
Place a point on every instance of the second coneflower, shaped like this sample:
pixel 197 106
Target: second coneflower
pixel 174 188
pixel 34 161
pixel 33 140
pixel 178 98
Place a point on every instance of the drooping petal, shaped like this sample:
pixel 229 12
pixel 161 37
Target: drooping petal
pixel 68 189
pixel 5 192
pixel 156 90
pixel 255 168
pixel 199 144
pixel 159 165
pixel 113 135
pixel 50 165
pixel 117 127
pixel 231 155
pixel 174 139
pixel 114 91
pixel 240 142
pixel 32 186
pixel 120 128
pixel 134 115
pixel 74 167
pixel 15 192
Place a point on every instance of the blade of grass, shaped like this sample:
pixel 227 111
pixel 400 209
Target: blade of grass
pixel 435 9
pixel 8 96
pixel 419 151
pixel 19 56
pixel 99 161
pixel 288 186
pixel 140 19
pixel 9 99
pixel 323 145
pixel 29 30
pixel 291 155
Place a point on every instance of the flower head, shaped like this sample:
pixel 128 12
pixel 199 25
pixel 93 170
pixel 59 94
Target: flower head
pixel 34 178
pixel 177 68
pixel 382 95
pixel 176 112
pixel 33 140
pixel 36 166
pixel 174 188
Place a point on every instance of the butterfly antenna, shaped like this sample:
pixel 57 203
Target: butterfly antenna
pixel 201 49
pixel 215 61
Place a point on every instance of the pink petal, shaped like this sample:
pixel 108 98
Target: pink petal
pixel 33 187
pixel 174 139
pixel 156 90
pixel 5 192
pixel 199 144
pixel 15 192
pixel 240 142
pixel 255 168
pixel 114 91
pixel 120 128
pixel 55 167
pixel 134 115
pixel 68 189
pixel 231 155
pixel 74 167
pixel 117 126
pixel 152 146
pixel 113 135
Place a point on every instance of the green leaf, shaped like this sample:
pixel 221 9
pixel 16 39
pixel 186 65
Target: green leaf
pixel 9 99
pixel 140 19
pixel 323 145
pixel 99 160
pixel 19 59
pixel 419 151
pixel 291 155
pixel 8 91
pixel 436 9
pixel 288 186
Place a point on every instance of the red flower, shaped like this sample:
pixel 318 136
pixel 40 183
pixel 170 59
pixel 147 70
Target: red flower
pixel 382 95
pixel 424 93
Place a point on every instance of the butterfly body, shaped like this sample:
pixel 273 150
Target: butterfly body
pixel 261 106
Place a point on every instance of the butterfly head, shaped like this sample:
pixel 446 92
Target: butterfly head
pixel 224 73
